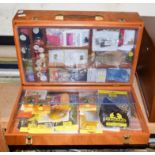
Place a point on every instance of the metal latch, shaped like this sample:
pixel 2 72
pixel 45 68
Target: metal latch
pixel 99 18
pixel 122 20
pixel 59 17
pixel 28 140
pixel 126 139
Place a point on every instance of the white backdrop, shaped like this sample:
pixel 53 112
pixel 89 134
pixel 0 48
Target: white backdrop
pixel 7 11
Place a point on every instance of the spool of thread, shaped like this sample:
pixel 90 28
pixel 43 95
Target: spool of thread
pixel 39 42
pixel 24 39
pixel 37 33
pixel 26 52
pixel 30 76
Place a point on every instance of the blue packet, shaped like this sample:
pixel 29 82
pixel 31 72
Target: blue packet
pixel 120 99
pixel 107 99
pixel 118 74
pixel 74 98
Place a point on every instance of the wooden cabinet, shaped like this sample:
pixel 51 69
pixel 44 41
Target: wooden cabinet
pixel 74 66
pixel 145 68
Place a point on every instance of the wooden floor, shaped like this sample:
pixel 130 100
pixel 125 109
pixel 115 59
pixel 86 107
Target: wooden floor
pixel 8 94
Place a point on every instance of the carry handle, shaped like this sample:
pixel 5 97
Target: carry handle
pixel 62 17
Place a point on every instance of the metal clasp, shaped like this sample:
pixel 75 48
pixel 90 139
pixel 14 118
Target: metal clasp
pixel 59 17
pixel 126 139
pixel 122 20
pixel 99 18
pixel 28 140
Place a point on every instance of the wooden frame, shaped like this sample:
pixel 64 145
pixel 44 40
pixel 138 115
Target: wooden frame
pixel 107 138
pixel 131 20
pixel 81 20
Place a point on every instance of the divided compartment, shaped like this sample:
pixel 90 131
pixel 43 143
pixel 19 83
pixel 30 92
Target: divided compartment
pixel 72 130
pixel 82 56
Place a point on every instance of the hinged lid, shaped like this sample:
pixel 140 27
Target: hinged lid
pixel 77 48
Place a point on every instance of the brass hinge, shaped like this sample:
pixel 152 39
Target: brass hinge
pixel 28 140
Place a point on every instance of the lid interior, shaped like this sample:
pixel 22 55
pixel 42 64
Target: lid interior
pixel 53 55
